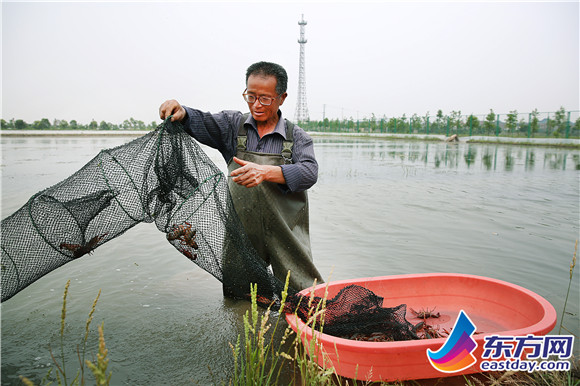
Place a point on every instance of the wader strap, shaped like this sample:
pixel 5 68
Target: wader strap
pixel 286 146
pixel 243 133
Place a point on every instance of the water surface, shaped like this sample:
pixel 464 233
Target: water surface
pixel 379 208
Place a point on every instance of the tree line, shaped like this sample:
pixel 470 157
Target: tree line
pixel 552 124
pixel 61 124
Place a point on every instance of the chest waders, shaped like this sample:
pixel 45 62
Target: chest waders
pixel 277 224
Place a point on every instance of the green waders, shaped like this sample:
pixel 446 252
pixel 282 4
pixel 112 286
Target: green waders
pixel 277 224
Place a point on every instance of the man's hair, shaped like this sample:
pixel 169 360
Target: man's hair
pixel 270 69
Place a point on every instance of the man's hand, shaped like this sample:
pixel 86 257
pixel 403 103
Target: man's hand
pixel 251 174
pixel 172 107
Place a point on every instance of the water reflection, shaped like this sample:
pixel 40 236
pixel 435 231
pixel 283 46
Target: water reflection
pixel 530 159
pixel 465 156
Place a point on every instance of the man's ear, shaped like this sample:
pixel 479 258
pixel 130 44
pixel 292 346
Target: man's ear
pixel 283 97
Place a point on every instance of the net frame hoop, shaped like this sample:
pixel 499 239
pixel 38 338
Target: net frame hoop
pixel 13 263
pixel 192 193
pixel 144 210
pixel 29 207
pixel 206 197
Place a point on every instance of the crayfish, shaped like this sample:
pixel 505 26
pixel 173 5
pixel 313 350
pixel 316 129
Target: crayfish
pixel 188 254
pixel 372 337
pixel 184 234
pixel 425 313
pixel 426 331
pixel 79 250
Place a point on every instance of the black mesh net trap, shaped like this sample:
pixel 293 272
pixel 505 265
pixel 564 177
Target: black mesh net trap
pixel 165 177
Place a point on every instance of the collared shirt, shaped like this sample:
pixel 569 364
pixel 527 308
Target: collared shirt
pixel 220 131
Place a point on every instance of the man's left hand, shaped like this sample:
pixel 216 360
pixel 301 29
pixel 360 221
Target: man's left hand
pixel 250 174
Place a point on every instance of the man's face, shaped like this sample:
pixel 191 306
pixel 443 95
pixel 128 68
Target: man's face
pixel 264 86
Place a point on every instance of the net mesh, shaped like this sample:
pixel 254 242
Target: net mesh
pixel 164 177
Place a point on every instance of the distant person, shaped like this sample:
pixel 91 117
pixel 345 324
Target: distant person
pixel 272 164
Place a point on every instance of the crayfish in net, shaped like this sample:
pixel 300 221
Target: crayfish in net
pixel 79 250
pixel 184 234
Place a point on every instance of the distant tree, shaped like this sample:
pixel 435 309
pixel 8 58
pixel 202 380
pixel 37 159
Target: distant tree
pixel 489 122
pixel 19 124
pixel 559 122
pixel 511 121
pixel 522 126
pixel 392 124
pixel 473 123
pixel 424 120
pixel 455 120
pixel 60 124
pixel 136 124
pixel 336 124
pixel 373 123
pixel 93 125
pixel 415 122
pixel 439 121
pixel 402 124
pixel 104 126
pixel 576 128
pixel 73 124
pixel 43 124
pixel 534 123
pixel 3 124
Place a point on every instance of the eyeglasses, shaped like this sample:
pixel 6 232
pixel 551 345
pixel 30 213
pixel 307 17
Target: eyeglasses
pixel 264 100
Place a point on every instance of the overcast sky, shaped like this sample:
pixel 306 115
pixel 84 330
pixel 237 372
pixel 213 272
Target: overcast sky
pixel 111 61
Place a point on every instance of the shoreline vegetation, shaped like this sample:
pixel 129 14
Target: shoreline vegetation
pixel 571 143
pixel 558 128
pixel 534 124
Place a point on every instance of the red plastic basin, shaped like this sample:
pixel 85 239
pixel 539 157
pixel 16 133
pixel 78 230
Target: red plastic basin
pixel 494 306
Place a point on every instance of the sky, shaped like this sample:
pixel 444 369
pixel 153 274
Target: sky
pixel 113 61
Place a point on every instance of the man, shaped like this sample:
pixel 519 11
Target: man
pixel 271 163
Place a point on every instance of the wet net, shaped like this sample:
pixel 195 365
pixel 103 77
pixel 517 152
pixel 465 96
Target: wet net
pixel 164 177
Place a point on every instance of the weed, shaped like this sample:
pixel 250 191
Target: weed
pixel 258 362
pixel 572 265
pixel 60 367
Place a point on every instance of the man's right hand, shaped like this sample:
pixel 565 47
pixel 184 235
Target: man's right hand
pixel 172 107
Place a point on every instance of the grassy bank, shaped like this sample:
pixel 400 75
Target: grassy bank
pixel 572 143
pixel 550 142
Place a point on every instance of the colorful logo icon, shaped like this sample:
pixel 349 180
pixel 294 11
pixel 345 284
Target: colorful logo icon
pixel 455 354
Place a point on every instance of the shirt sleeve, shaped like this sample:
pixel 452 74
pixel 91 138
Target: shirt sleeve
pixel 214 130
pixel 303 172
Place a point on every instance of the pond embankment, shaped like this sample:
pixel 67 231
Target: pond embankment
pixel 559 142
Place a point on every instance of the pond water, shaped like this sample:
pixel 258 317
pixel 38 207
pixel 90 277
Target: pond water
pixel 380 207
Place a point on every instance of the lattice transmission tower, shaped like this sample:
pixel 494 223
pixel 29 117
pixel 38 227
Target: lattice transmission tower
pixel 301 114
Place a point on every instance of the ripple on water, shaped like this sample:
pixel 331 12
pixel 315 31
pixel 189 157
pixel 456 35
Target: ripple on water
pixel 379 208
